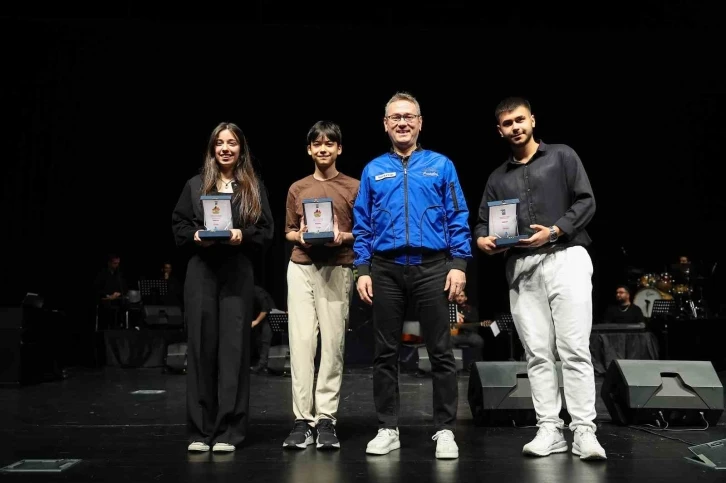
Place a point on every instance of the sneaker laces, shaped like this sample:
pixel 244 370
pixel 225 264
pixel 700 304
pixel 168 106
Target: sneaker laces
pixel 301 426
pixel 384 433
pixel 587 436
pixel 326 425
pixel 445 435
pixel 544 432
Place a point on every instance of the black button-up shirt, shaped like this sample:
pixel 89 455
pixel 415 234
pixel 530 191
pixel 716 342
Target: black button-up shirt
pixel 552 188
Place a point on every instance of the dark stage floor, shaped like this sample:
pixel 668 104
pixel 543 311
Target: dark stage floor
pixel 122 437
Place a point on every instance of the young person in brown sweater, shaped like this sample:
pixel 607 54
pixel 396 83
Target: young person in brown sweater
pixel 319 280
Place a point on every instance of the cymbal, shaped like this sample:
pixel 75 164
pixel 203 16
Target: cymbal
pixel 681 266
pixel 635 270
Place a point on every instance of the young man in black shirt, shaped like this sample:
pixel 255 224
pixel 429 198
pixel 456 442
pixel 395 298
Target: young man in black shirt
pixel 549 275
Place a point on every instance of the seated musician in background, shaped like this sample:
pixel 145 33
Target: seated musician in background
pixel 623 311
pixel 684 270
pixel 110 286
pixel 466 330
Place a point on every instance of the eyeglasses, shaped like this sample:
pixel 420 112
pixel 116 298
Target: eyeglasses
pixel 409 118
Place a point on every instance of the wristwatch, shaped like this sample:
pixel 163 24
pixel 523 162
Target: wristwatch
pixel 553 234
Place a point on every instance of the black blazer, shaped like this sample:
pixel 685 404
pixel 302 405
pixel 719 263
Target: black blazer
pixel 188 217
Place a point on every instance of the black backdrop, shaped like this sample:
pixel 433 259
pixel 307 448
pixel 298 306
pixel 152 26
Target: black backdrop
pixel 106 118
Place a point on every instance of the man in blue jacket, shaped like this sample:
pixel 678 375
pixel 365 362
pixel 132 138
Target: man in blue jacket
pixel 412 245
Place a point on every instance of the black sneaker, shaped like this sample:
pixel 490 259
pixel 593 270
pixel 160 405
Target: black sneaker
pixel 301 435
pixel 327 439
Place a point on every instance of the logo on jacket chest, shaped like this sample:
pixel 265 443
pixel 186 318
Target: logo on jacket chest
pixel 385 175
pixel 431 172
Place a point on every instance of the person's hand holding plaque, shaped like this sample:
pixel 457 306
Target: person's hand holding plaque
pixel 235 237
pixel 540 237
pixel 337 235
pixel 200 242
pixel 303 229
pixel 488 245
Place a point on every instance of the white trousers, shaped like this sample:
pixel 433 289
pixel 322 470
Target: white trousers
pixel 318 298
pixel 550 297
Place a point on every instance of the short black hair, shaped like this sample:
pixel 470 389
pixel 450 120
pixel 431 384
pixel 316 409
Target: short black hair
pixel 325 128
pixel 624 287
pixel 510 104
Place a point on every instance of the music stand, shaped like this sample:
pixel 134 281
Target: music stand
pixel 663 308
pixel 452 315
pixel 153 288
pixel 278 321
pixel 458 356
pixel 279 356
pixel 506 324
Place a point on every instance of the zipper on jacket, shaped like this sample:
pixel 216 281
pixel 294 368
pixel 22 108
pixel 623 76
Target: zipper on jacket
pixel 453 195
pixel 404 161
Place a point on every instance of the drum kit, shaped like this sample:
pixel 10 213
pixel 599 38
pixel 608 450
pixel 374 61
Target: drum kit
pixel 679 285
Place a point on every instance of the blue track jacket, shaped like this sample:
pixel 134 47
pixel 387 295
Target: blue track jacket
pixel 407 207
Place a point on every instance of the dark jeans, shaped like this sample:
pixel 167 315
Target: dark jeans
pixel 422 286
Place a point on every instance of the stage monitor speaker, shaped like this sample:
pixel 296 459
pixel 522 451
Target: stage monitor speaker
pixel 163 316
pixel 656 392
pixel 278 359
pixel 26 347
pixel 424 363
pixel 500 394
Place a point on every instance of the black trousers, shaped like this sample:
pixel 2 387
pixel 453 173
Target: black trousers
pixel 422 286
pixel 262 335
pixel 218 300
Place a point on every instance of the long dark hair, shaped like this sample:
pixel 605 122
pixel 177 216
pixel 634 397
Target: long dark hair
pixel 248 194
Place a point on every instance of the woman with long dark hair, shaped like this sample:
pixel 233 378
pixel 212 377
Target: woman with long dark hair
pixel 219 289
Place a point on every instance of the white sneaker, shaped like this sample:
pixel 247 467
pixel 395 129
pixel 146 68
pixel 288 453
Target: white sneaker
pixel 385 441
pixel 445 445
pixel 586 446
pixel 549 440
pixel 223 448
pixel 198 446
